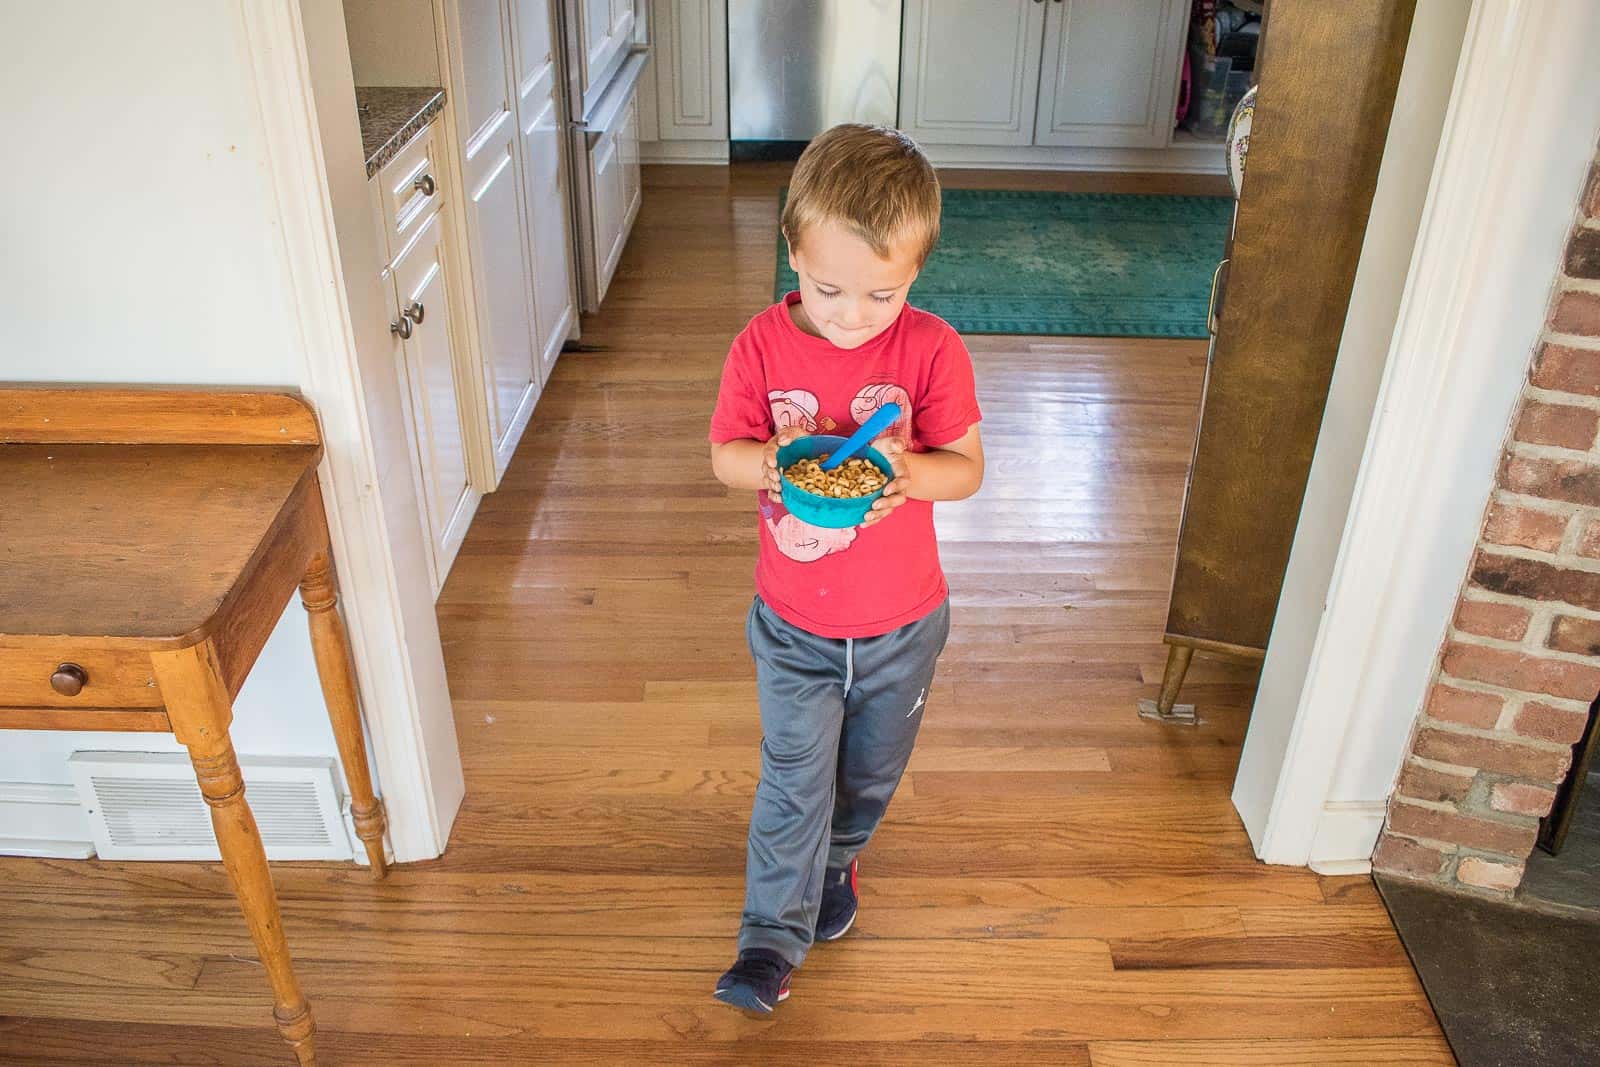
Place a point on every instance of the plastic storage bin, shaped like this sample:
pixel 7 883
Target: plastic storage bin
pixel 1208 98
pixel 1238 85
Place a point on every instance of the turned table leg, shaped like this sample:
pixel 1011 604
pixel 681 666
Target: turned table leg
pixel 331 645
pixel 1178 657
pixel 200 710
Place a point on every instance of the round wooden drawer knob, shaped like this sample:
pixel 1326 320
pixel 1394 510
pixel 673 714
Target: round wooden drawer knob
pixel 69 679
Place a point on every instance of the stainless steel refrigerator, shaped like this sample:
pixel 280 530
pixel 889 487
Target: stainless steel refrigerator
pixel 797 67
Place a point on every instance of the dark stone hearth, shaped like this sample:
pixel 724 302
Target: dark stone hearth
pixel 1512 987
pixel 1570 881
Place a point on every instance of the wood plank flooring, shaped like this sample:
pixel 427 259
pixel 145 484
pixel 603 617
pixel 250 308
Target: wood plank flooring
pixel 1058 882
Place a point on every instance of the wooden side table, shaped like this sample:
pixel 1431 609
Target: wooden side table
pixel 149 543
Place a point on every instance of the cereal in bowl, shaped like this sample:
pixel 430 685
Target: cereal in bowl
pixel 852 478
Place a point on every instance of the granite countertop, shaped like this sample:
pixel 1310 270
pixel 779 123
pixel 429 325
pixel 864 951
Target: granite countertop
pixel 392 115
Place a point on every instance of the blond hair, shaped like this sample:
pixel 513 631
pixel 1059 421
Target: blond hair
pixel 874 181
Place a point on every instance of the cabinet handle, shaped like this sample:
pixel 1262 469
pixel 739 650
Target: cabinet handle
pixel 425 185
pixel 69 679
pixel 403 328
pixel 414 312
pixel 1213 310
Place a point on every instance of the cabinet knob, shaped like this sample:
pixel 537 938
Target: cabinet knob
pixel 403 328
pixel 69 679
pixel 425 185
pixel 414 312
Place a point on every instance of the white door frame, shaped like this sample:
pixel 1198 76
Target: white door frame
pixel 377 539
pixel 1518 139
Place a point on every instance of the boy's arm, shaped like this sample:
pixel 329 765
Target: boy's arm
pixel 751 464
pixel 950 472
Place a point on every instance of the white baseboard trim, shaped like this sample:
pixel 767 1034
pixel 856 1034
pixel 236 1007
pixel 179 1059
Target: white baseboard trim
pixel 1346 835
pixel 1178 159
pixel 43 821
pixel 713 152
pixel 1341 867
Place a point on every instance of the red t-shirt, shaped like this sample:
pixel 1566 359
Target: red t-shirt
pixel 864 581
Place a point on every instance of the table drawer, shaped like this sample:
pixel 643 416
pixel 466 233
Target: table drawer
pixel 111 679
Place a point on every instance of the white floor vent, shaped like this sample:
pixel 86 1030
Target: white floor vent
pixel 147 806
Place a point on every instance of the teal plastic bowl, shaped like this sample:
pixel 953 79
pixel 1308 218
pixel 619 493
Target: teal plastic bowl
pixel 829 512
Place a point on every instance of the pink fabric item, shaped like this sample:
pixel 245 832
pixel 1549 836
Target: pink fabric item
pixel 869 580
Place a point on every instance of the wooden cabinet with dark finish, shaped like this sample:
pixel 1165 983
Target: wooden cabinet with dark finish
pixel 1327 88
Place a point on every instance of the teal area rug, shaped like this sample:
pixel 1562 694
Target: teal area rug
pixel 1084 264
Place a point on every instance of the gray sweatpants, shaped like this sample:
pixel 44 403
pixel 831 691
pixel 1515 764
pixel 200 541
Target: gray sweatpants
pixel 838 720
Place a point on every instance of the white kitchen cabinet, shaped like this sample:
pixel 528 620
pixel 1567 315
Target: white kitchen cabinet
pixel 970 70
pixel 615 177
pixel 606 31
pixel 1046 73
pixel 419 283
pixel 691 69
pixel 413 208
pixel 1111 72
pixel 546 191
pixel 477 39
pixel 632 188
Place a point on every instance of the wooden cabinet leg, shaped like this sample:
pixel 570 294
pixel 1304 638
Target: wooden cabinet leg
pixel 331 645
pixel 1178 657
pixel 200 712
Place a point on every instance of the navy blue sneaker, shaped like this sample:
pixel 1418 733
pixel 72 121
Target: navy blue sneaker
pixel 839 902
pixel 757 983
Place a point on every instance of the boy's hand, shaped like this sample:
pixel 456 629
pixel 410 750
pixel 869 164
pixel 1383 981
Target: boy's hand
pixel 771 477
pixel 894 494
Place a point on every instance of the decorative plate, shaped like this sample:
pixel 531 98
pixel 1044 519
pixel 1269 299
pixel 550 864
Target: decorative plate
pixel 1238 140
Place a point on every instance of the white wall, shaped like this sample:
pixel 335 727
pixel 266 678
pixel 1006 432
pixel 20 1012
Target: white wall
pixel 139 247
pixel 138 221
pixel 392 42
pixel 1403 175
pixel 1321 757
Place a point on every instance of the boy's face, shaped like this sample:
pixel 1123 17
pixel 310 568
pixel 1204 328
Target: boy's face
pixel 849 294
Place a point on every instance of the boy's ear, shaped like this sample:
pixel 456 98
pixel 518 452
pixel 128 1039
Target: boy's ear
pixel 788 245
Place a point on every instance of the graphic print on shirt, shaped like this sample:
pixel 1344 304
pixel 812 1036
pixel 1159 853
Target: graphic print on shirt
pixel 803 542
pixel 873 397
pixel 797 407
pixel 794 537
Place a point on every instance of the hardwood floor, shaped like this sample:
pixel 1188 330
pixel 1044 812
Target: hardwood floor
pixel 1057 882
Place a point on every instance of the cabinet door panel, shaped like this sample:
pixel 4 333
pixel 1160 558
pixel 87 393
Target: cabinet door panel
pixel 609 206
pixel 691 69
pixel 628 148
pixel 429 372
pixel 607 30
pixel 970 70
pixel 480 34
pixel 545 188
pixel 483 72
pixel 503 288
pixel 1110 72
pixel 535 49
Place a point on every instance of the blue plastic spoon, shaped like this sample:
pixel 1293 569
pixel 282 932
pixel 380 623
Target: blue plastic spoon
pixel 879 422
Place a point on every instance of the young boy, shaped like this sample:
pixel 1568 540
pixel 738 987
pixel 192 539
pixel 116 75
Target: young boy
pixel 848 623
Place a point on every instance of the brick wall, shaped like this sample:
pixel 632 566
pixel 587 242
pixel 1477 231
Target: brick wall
pixel 1521 661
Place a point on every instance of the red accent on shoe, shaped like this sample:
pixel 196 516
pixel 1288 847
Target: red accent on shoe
pixel 853 888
